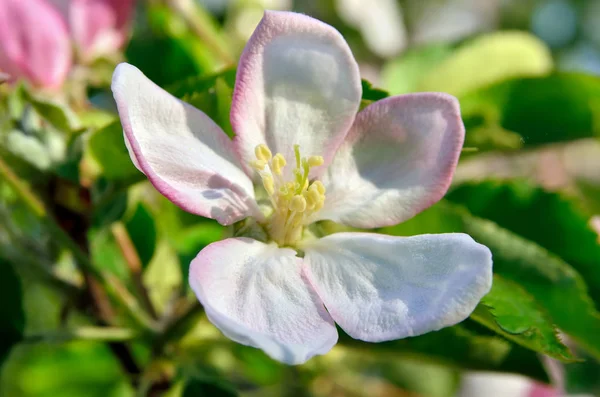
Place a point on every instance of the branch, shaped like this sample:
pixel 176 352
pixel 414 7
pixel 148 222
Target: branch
pixel 134 264
pixel 99 334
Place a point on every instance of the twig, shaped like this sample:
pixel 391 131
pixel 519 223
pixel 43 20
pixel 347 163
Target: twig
pixel 178 325
pixel 100 334
pixel 134 264
pixel 129 302
pixel 184 8
pixel 96 280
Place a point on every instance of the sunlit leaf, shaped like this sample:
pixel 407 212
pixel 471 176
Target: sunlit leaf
pixel 489 59
pixel 554 284
pixel 554 221
pixel 107 154
pixel 510 311
pixel 479 62
pixel 556 108
pixel 403 75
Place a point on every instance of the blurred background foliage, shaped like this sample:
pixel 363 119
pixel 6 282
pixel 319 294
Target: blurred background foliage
pixel 93 261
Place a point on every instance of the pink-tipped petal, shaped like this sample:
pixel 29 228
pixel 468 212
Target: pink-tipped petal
pixel 397 160
pixel 186 156
pixel 380 288
pixel 494 384
pixel 99 27
pixel 297 83
pixel 34 42
pixel 257 295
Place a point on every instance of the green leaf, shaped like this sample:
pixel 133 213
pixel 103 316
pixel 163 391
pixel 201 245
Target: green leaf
pixel 554 285
pixel 67 370
pixel 489 59
pixel 12 315
pixel 166 36
pixel 370 93
pixel 403 75
pixel 552 220
pixel 460 347
pixel 211 94
pixel 142 231
pixel 208 387
pixel 555 108
pixel 59 115
pixel 510 311
pixel 107 154
pixel 479 62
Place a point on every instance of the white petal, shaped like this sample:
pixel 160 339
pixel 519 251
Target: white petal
pixel 380 288
pixel 186 156
pixel 297 83
pixel 397 160
pixel 257 295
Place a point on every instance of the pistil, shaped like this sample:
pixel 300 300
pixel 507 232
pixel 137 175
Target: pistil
pixel 295 201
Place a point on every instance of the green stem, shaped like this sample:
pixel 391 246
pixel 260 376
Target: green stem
pixel 99 334
pixel 189 13
pixel 178 326
pixel 36 206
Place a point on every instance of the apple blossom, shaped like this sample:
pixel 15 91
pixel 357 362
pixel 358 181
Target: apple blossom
pixel 34 42
pixel 493 384
pixel 97 27
pixel 100 27
pixel 302 154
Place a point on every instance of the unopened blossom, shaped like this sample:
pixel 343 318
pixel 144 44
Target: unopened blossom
pixel 302 154
pixel 98 27
pixel 490 384
pixel 34 42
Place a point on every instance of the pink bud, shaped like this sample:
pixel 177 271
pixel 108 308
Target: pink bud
pixel 99 27
pixel 34 42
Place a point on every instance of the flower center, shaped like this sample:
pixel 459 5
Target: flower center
pixel 294 201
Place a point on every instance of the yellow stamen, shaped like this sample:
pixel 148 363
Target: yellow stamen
pixel 269 184
pixel 294 201
pixel 263 153
pixel 315 161
pixel 298 203
pixel 319 186
pixel 258 165
pixel 278 163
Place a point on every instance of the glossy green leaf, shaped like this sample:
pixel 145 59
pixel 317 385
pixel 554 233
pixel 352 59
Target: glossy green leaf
pixel 458 346
pixel 552 220
pixel 370 93
pixel 555 108
pixel 512 312
pixel 554 284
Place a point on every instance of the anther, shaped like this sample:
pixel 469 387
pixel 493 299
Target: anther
pixel 315 161
pixel 263 153
pixel 278 163
pixel 319 186
pixel 258 165
pixel 298 203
